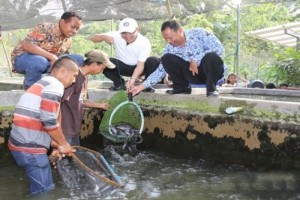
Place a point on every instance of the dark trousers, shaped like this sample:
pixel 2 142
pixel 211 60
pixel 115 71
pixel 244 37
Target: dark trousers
pixel 127 70
pixel 211 69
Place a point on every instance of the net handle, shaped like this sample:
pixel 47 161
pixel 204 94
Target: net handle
pixel 118 107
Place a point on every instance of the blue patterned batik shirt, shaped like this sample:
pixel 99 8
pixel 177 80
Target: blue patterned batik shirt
pixel 199 42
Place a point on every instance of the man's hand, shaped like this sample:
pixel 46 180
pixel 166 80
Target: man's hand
pixel 52 59
pixel 130 83
pixel 55 155
pixel 137 89
pixel 193 67
pixel 65 149
pixel 104 106
pixel 167 80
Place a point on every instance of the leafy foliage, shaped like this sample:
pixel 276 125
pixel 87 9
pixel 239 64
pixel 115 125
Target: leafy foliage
pixel 286 68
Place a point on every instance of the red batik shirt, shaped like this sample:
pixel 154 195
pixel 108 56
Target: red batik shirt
pixel 47 36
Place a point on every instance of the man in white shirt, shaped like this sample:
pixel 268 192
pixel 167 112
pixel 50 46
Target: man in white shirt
pixel 132 51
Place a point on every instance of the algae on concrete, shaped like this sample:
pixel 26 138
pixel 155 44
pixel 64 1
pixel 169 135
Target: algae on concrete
pixel 202 106
pixel 7 108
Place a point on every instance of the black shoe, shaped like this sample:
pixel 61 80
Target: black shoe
pixel 114 88
pixel 180 91
pixel 150 89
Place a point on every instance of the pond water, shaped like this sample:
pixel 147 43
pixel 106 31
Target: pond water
pixel 149 175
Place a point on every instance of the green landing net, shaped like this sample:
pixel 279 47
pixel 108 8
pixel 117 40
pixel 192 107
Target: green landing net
pixel 123 112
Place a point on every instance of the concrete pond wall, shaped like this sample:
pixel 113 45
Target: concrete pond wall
pixel 264 135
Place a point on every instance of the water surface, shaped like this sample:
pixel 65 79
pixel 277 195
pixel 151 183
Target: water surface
pixel 149 175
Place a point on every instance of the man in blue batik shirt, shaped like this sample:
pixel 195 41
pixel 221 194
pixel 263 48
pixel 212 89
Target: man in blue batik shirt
pixel 191 57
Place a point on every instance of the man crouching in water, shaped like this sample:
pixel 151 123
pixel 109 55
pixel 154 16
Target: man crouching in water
pixel 36 126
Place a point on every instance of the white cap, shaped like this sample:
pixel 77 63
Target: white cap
pixel 127 25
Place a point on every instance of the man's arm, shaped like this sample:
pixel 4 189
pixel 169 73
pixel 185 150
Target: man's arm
pixel 39 35
pixel 102 38
pixel 137 73
pixel 143 55
pixel 62 145
pixel 34 49
pixel 91 104
pixel 50 116
pixel 154 78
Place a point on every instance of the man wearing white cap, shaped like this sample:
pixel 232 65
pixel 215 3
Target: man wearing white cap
pixel 75 97
pixel 132 51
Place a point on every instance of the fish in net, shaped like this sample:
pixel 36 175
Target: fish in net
pixel 123 121
pixel 88 171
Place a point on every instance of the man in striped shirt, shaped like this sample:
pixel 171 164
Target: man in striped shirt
pixel 36 125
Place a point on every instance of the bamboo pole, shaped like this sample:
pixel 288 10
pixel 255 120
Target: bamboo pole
pixel 169 9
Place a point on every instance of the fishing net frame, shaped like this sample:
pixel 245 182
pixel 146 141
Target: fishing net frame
pixel 116 183
pixel 123 104
pixel 118 102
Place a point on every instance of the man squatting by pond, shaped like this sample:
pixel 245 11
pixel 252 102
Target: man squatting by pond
pixel 34 55
pixel 191 57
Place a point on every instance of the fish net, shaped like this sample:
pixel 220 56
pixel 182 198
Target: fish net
pixel 88 170
pixel 123 121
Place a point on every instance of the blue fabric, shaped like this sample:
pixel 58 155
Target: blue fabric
pixel 38 169
pixel 78 58
pixel 220 82
pixel 33 66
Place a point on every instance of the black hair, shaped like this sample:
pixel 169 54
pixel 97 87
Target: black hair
pixel 64 61
pixel 69 14
pixel 172 24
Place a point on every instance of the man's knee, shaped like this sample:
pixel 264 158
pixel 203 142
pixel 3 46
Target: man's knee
pixel 173 62
pixel 212 58
pixel 151 64
pixel 170 60
pixel 166 57
pixel 30 62
pixel 39 66
pixel 152 60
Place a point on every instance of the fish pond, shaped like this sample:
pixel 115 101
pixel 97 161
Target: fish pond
pixel 152 175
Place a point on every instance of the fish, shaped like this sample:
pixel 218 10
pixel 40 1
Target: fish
pixel 124 130
pixel 128 133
